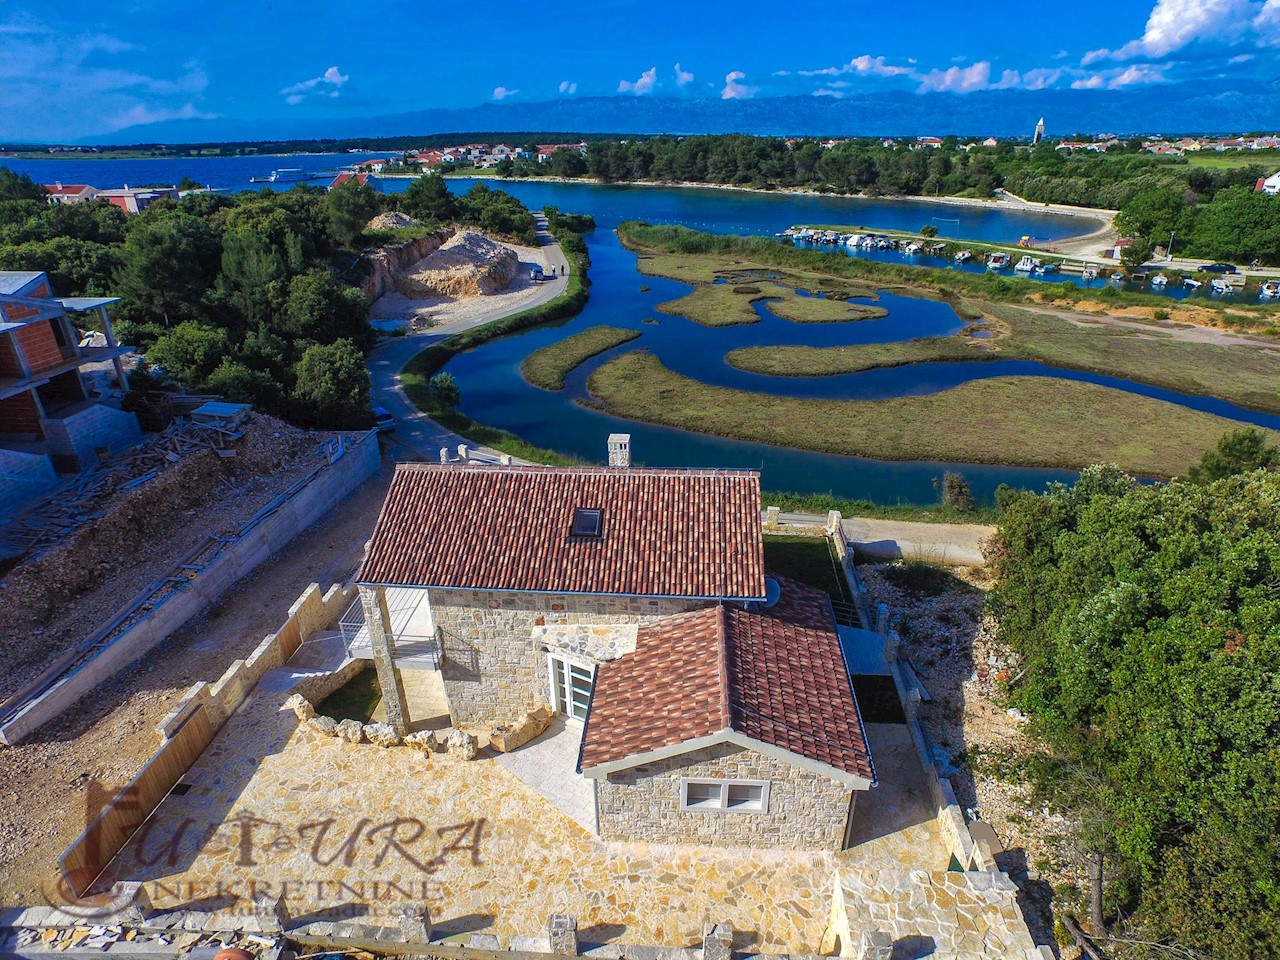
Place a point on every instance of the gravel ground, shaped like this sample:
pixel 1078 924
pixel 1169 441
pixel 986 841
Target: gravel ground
pixel 954 649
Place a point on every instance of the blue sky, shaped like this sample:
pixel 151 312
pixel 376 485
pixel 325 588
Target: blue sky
pixel 77 69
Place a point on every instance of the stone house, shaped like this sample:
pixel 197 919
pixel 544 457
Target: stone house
pixel 708 703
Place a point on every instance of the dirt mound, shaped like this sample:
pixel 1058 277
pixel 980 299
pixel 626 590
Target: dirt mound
pixel 59 596
pixel 466 265
pixel 391 220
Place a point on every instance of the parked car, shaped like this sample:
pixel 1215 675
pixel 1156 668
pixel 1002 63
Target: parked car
pixel 383 419
pixel 1218 268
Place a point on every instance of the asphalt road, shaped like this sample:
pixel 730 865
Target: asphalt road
pixel 418 437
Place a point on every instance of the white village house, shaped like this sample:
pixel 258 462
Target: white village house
pixel 706 702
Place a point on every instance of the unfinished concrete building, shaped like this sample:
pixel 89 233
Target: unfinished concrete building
pixel 51 422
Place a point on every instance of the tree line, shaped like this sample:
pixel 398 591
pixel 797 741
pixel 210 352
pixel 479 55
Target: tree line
pixel 1146 624
pixel 253 295
pixel 1214 211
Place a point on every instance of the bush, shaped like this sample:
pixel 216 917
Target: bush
pixel 956 492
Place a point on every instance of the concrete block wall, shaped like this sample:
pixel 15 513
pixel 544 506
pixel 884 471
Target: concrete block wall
pixel 806 810
pixel 97 425
pixel 494 669
pixel 327 488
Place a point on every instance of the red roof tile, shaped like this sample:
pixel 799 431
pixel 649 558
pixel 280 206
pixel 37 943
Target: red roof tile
pixel 666 533
pixel 777 676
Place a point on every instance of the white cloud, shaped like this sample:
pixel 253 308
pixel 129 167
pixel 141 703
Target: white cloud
pixel 501 93
pixel 863 66
pixel 141 113
pixel 1040 78
pixel 1267 24
pixel 1095 82
pixel 1174 24
pixel 827 92
pixel 958 79
pixel 648 80
pixel 1138 74
pixel 735 89
pixel 328 84
pixel 683 77
pixel 568 87
pixel 1061 55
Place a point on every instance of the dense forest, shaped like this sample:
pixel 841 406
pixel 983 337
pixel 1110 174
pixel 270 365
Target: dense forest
pixel 253 295
pixel 1147 622
pixel 1212 212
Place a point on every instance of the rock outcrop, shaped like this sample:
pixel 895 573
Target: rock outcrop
pixel 387 263
pixel 465 265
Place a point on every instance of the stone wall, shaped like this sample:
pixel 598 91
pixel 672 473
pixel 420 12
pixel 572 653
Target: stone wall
pixel 806 810
pixel 493 667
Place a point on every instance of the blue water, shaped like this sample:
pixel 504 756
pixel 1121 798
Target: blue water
pixel 221 173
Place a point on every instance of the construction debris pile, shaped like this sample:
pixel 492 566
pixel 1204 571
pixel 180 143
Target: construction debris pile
pixel 119 534
pixel 117 939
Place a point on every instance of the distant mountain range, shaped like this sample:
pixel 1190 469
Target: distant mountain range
pixel 1203 108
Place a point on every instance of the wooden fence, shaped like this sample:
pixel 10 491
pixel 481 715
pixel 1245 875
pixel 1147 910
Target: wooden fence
pixel 83 862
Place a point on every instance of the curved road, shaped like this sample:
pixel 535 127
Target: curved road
pixel 417 436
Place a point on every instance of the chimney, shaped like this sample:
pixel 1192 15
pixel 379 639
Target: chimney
pixel 58 184
pixel 620 450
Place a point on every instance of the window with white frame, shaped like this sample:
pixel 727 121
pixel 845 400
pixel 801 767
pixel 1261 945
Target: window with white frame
pixel 725 796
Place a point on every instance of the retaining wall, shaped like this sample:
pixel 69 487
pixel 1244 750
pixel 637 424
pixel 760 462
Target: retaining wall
pixel 259 540
pixel 187 730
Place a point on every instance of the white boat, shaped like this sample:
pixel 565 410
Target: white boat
pixel 1088 274
pixel 1191 284
pixel 854 240
pixel 1043 268
pixel 998 261
pixel 1159 281
pixel 1220 286
pixel 964 256
pixel 1027 264
pixel 911 249
pixel 1118 277
pixel 1270 290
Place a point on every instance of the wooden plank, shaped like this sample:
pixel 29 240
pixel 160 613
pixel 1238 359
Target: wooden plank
pixel 83 862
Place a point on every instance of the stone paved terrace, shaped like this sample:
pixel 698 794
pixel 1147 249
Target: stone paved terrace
pixel 347 831
pixel 354 830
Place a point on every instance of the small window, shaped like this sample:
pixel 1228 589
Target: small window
pixel 725 796
pixel 744 796
pixel 587 522
pixel 702 795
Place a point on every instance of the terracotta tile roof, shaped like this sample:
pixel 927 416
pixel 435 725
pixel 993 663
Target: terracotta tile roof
pixel 777 676
pixel 665 533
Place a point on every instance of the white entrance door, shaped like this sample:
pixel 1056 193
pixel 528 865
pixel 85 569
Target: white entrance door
pixel 570 687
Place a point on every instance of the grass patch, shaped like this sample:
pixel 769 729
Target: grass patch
pixel 547 368
pixel 1240 373
pixel 1227 161
pixel 820 504
pixel 715 305
pixel 807 559
pixel 354 700
pixel 791 306
pixel 1020 421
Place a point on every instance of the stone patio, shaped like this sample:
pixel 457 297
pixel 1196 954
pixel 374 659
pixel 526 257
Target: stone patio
pixel 548 764
pixel 342 830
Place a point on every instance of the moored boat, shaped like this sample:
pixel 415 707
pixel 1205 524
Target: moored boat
pixel 997 261
pixel 1159 280
pixel 1270 290
pixel 964 256
pixel 1191 284
pixel 1088 274
pixel 1027 264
